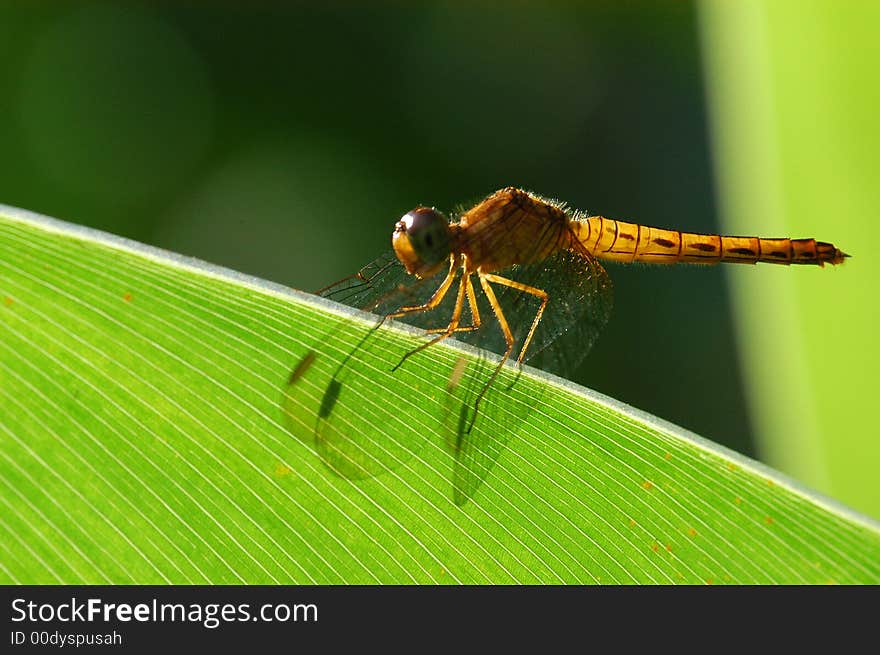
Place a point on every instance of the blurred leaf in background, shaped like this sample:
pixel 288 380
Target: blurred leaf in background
pixel 795 93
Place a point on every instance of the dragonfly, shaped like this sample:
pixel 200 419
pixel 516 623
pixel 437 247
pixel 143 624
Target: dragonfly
pixel 521 275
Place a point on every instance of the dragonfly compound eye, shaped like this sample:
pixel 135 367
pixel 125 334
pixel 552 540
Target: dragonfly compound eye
pixel 422 241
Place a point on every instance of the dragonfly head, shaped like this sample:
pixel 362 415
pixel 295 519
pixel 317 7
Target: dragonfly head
pixel 422 241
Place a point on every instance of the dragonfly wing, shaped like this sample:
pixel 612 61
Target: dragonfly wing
pixel 370 286
pixel 578 307
pixel 383 286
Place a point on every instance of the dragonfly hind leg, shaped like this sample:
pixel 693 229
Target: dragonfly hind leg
pixel 485 278
pixel 534 291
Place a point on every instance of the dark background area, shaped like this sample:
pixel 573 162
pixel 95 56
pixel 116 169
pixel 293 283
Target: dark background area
pixel 286 141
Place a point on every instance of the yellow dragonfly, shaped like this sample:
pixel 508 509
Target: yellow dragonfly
pixel 519 272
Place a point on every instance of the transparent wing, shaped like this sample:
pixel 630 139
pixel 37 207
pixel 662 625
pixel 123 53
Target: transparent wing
pixel 579 305
pixel 383 286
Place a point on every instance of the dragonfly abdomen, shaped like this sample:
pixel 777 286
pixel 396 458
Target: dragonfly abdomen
pixel 630 242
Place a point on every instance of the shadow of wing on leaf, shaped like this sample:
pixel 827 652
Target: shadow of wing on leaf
pixel 500 418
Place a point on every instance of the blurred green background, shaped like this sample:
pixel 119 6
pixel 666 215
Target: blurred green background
pixel 284 141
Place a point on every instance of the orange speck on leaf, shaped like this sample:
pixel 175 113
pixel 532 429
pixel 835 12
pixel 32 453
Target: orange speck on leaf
pixel 769 483
pixel 8 301
pixel 768 520
pixel 738 500
pixel 692 532
pixel 667 456
pixel 732 467
pixel 655 546
pixel 669 547
pixel 632 523
pixel 647 484
pixel 709 581
pixel 127 297
pixel 281 470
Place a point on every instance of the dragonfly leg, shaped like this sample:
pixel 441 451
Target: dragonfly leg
pixel 539 293
pixel 452 327
pixel 475 311
pixel 435 299
pixel 508 338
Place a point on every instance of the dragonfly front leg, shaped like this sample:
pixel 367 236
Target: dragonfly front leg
pixel 476 323
pixel 453 323
pixel 435 299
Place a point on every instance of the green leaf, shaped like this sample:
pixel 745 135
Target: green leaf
pixel 149 435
